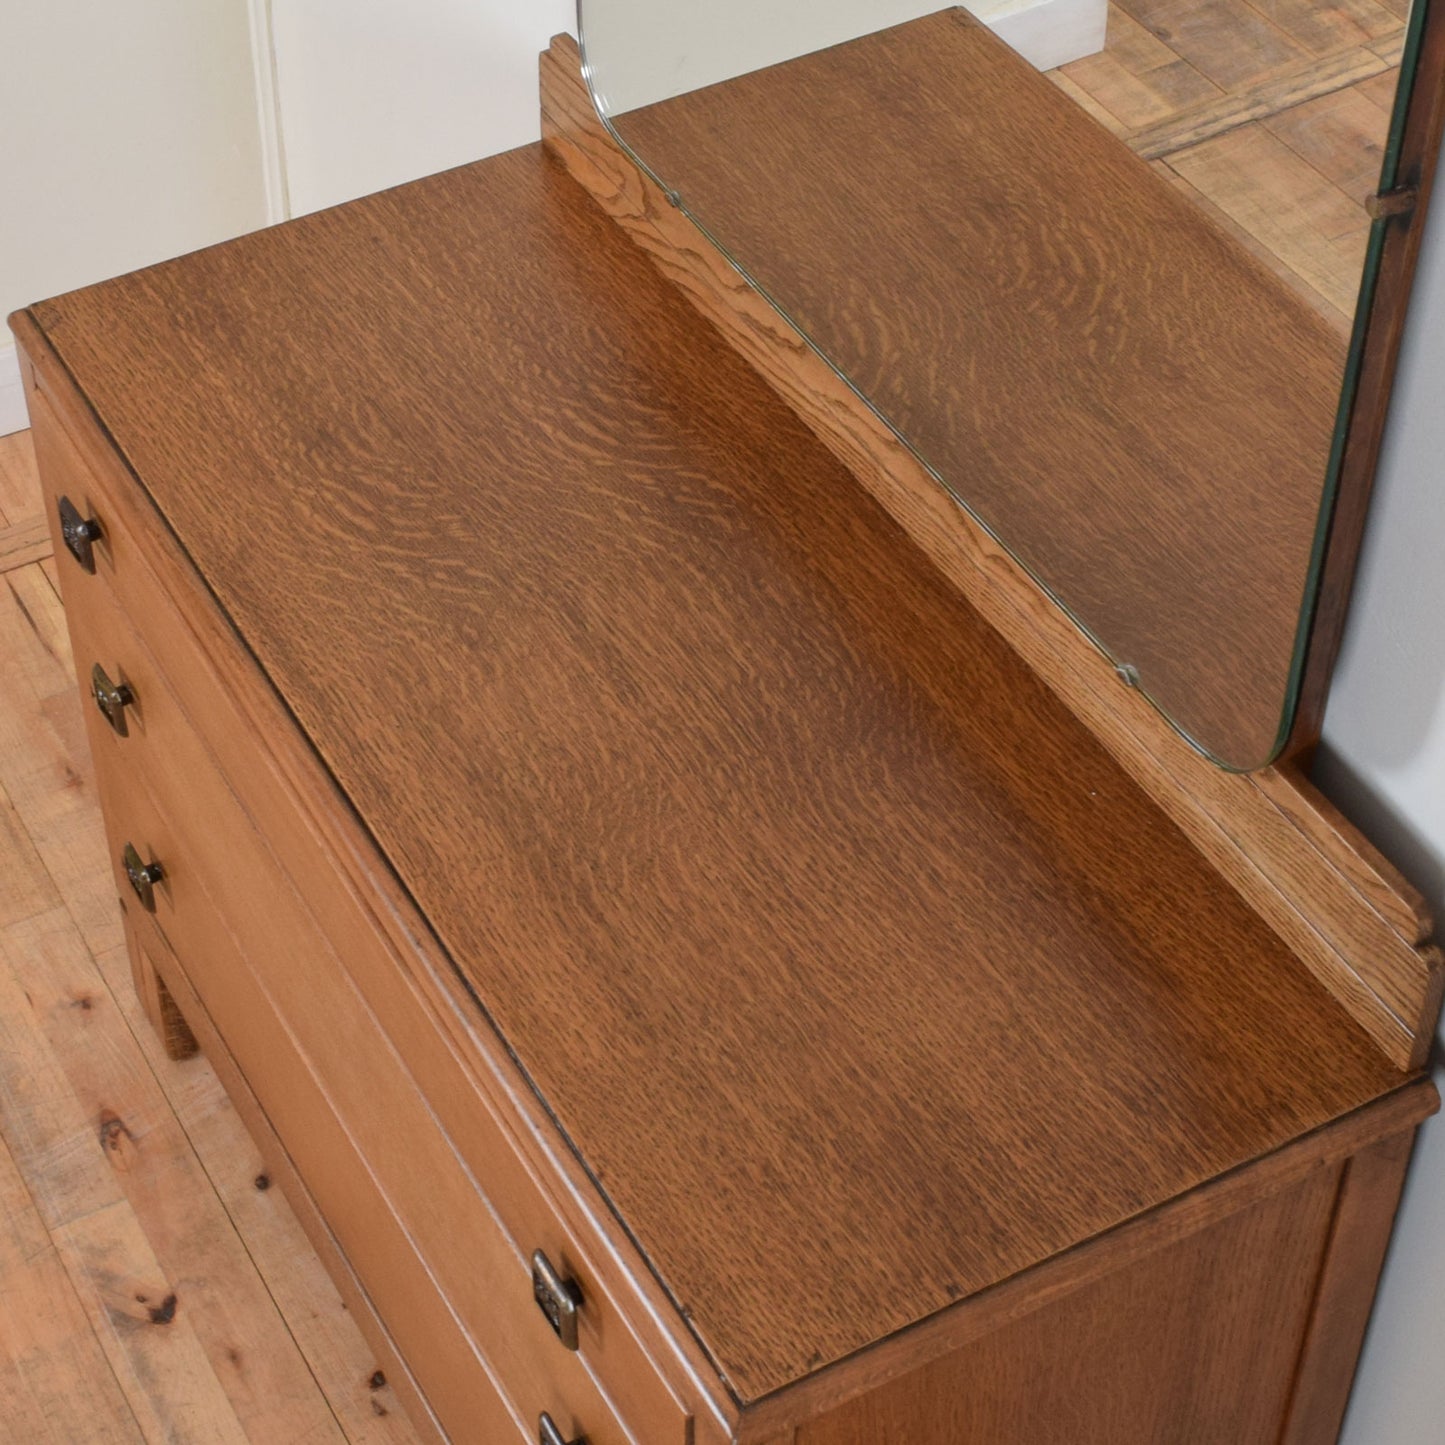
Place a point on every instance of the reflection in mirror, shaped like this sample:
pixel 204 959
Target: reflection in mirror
pixel 1097 265
pixel 651 50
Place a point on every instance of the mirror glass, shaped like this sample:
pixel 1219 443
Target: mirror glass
pixel 1098 263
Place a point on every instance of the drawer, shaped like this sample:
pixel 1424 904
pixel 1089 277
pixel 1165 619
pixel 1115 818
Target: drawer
pixel 463 1083
pixel 409 1213
pixel 387 1088
pixel 440 1360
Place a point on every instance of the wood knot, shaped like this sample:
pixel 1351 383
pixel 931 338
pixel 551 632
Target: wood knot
pixel 113 1133
pixel 377 1380
pixel 137 1301
pixel 262 1181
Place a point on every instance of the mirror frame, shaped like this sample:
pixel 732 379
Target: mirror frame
pixel 1405 191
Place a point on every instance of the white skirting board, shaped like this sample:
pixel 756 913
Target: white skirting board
pixel 1047 33
pixel 13 416
pixel 636 61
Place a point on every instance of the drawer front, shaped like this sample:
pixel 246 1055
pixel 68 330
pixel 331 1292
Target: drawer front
pixel 406 1209
pixel 439 1153
pixel 440 1360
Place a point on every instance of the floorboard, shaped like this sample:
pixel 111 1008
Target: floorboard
pixel 152 1287
pixel 1271 117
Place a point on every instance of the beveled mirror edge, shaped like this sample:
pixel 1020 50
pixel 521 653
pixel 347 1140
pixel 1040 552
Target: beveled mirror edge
pixel 1123 671
pixel 1344 488
pixel 1313 878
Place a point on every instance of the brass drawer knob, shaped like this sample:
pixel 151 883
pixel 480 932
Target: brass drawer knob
pixel 549 1434
pixel 143 876
pixel 112 698
pixel 558 1297
pixel 79 533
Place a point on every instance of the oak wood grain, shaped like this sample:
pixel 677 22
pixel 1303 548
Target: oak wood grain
pixel 1149 1353
pixel 215 1222
pixel 1308 881
pixel 1086 361
pixel 471 1081
pixel 1080 1268
pixel 207 836
pixel 1371 875
pixel 1359 1232
pixel 724 802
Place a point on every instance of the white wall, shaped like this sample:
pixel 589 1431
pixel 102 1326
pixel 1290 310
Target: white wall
pixel 128 133
pixel 373 92
pixel 1384 763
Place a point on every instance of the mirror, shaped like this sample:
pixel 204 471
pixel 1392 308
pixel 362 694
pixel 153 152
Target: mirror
pixel 1102 265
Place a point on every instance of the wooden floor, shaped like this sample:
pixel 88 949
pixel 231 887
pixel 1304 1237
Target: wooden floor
pixel 1271 117
pixel 152 1287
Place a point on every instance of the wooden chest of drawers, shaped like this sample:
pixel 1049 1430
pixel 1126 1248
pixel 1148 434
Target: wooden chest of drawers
pixel 293 960
pixel 613 873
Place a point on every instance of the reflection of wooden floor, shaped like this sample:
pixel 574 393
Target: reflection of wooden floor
pixel 150 1290
pixel 1271 117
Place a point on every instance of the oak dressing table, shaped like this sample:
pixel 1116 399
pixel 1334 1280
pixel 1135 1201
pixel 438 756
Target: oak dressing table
pixel 710 957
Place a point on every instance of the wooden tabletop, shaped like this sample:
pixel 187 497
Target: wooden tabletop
pixel 856 972
pixel 1138 408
